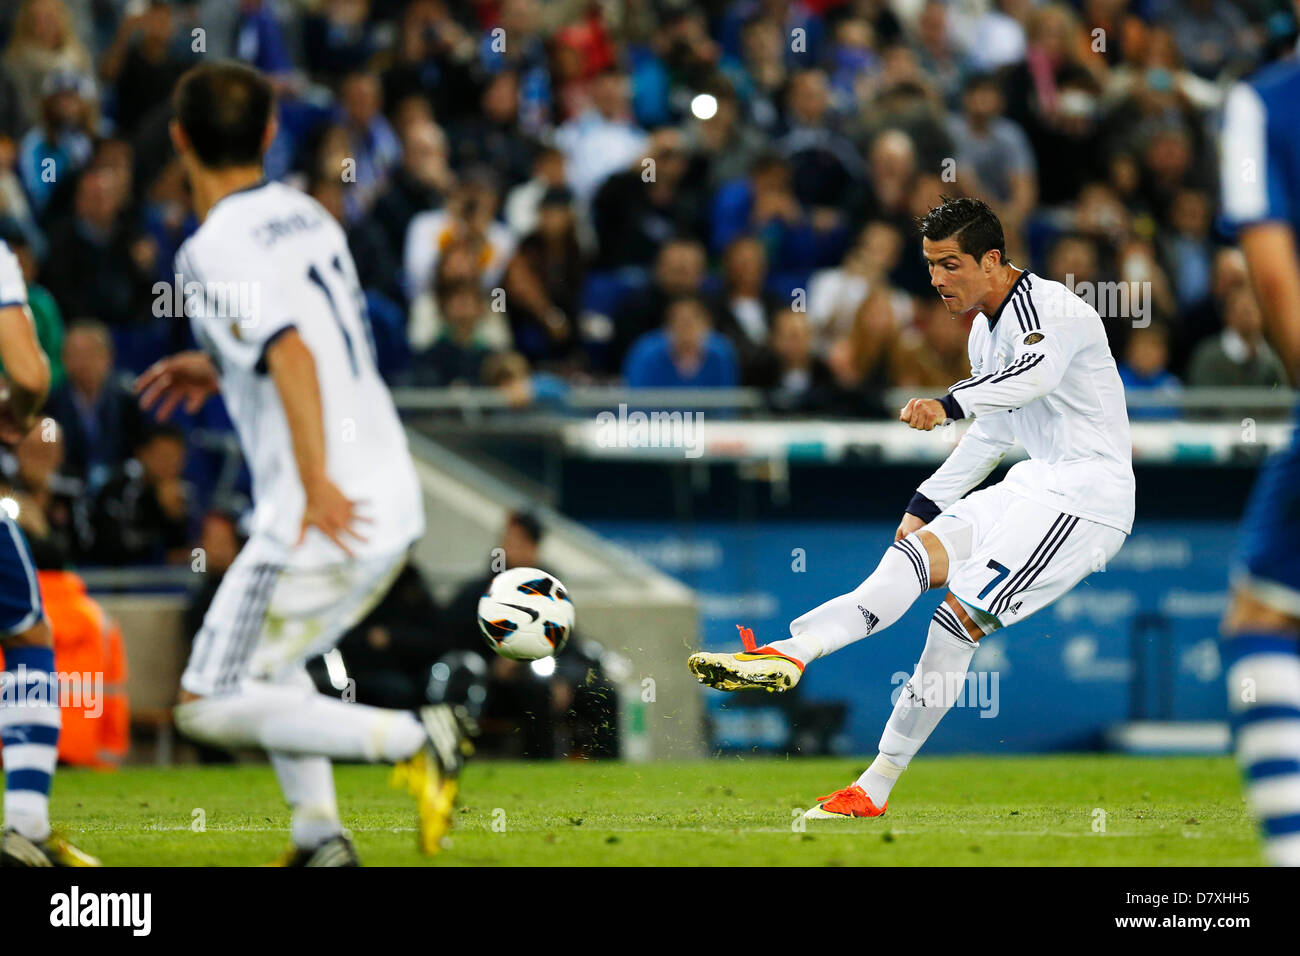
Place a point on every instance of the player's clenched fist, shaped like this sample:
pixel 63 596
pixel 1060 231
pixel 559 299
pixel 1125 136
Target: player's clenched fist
pixel 923 413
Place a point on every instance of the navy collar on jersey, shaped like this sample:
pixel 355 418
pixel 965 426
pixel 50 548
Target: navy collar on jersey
pixel 1015 287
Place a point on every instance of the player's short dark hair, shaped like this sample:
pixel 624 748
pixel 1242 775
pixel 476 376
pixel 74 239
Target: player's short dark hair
pixel 968 220
pixel 223 108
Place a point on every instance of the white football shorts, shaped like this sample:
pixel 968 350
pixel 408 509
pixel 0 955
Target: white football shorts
pixel 268 617
pixel 1010 557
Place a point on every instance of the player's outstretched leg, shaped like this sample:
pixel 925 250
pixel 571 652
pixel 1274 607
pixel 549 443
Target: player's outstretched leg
pixel 931 692
pixel 902 576
pixel 428 747
pixel 29 729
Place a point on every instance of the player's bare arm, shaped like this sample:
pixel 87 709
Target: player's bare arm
pixel 1272 258
pixel 188 377
pixel 294 372
pixel 27 371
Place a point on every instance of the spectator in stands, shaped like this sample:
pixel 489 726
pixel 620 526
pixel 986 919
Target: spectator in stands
pixel 456 358
pixel 470 218
pixel 686 353
pixel 417 185
pixel 995 153
pixel 372 148
pixel 59 146
pixel 1210 34
pixel 835 295
pixel 862 361
pixel 932 351
pixel 746 306
pixel 680 270
pixel 759 72
pixel 51 507
pixel 825 169
pixel 1239 355
pixel 1145 369
pixel 938 54
pixel 101 417
pixel 43 41
pixel 725 145
pixel 141 66
pixel 492 135
pixel 142 514
pixel 633 217
pixel 435 58
pixel 892 165
pixel 523 203
pixel 1206 320
pixel 336 38
pixel 549 268
pixel 796 379
pixel 1186 248
pixel 105 264
pixel 603 140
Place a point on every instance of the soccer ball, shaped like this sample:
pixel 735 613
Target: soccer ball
pixel 526 614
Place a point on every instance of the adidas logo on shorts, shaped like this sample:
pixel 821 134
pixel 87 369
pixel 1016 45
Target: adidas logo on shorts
pixel 870 618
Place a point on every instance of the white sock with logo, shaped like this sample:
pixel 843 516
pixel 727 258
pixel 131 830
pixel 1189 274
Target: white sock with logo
pixel 902 576
pixel 937 683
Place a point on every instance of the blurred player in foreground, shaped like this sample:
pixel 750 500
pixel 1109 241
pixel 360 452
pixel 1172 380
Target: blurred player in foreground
pixel 1041 374
pixel 273 299
pixel 1260 169
pixel 29 685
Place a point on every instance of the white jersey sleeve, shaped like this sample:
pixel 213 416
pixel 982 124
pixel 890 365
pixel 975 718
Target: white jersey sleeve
pixel 976 455
pixel 1042 355
pixel 235 309
pixel 13 290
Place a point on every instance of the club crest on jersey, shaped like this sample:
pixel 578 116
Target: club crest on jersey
pixel 235 331
pixel 1033 338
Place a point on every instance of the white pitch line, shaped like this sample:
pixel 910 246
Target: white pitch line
pixel 836 829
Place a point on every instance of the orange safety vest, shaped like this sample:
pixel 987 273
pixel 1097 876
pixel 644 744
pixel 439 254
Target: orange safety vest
pixel 91 664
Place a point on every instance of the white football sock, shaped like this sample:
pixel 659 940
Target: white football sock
pixel 902 576
pixel 308 785
pixel 936 684
pixel 878 779
pixel 294 720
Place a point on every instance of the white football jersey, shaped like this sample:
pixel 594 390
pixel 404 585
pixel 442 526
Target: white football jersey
pixel 1043 375
pixel 13 290
pixel 265 260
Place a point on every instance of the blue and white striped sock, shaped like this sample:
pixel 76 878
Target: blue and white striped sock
pixel 1263 675
pixel 29 731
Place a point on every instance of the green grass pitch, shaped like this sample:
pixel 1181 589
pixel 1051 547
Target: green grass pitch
pixel 1037 811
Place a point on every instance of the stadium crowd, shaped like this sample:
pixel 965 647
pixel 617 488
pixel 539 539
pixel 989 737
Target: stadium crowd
pixel 539 193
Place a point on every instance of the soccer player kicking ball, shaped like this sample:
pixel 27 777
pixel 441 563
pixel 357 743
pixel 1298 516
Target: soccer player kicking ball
pixel 272 296
pixel 1043 375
